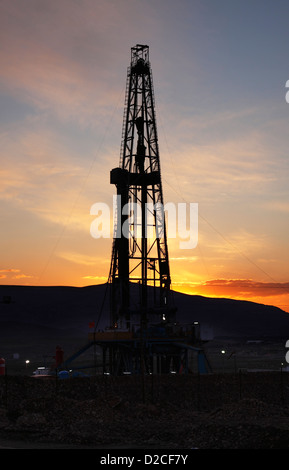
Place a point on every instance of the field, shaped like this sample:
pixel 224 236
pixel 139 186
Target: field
pixel 242 405
pixel 224 355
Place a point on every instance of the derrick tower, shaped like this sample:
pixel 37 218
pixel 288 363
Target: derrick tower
pixel 139 274
pixel 143 335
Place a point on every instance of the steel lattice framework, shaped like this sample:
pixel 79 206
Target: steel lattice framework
pixel 140 252
pixel 143 336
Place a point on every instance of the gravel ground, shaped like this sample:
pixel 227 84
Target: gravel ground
pixel 217 411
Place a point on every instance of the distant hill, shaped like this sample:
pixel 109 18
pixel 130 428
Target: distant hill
pixel 233 318
pixel 67 311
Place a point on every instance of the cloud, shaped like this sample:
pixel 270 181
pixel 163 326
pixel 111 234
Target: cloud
pixel 234 288
pixel 13 274
pixel 248 287
pixel 52 83
pixel 95 278
pixel 79 258
pixel 233 167
pixel 269 293
pixel 62 57
pixel 277 206
pixel 9 270
pixel 22 276
pixel 222 246
pixel 42 176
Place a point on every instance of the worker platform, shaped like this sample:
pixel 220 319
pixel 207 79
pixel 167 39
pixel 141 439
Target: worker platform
pixel 154 350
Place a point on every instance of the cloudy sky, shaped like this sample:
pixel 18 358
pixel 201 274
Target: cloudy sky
pixel 220 69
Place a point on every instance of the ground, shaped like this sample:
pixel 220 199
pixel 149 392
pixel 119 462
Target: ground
pixel 242 410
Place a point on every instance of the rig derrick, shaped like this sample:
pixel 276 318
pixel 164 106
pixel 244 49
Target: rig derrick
pixel 143 334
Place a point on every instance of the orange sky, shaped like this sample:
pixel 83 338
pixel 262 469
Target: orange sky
pixel 219 76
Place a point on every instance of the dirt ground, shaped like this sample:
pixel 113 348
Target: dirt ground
pixel 243 410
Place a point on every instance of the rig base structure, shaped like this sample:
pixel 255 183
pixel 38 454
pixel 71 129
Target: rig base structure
pixel 153 352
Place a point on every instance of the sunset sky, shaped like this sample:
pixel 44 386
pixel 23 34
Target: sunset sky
pixel 219 69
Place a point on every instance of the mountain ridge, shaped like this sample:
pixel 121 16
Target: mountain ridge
pixel 73 308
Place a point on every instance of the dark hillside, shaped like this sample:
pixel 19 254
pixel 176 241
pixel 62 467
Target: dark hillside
pixel 24 308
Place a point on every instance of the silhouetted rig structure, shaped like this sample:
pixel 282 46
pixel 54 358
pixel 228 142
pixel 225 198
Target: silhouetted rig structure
pixel 143 334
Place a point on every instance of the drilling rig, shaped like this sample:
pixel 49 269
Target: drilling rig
pixel 144 335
